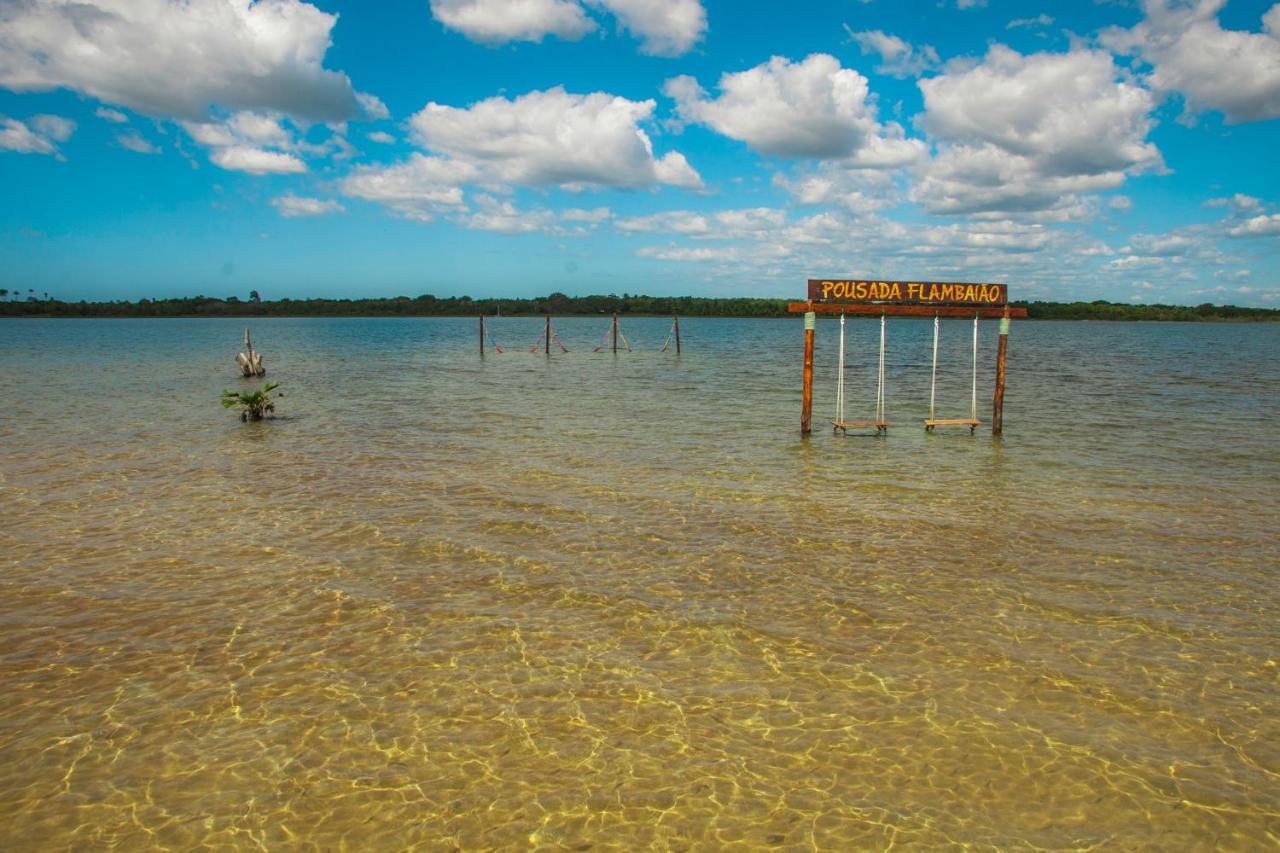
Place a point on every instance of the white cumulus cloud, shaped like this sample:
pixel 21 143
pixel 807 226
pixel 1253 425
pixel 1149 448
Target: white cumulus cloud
pixel 554 138
pixel 1238 202
pixel 292 206
pixel 16 136
pixel 418 188
pixel 256 161
pixel 1024 133
pixel 261 143
pixel 812 108
pixel 1160 245
pixel 165 58
pixel 1257 226
pixel 501 21
pixel 665 27
pixel 578 214
pixel 699 254
pixel 57 128
pixel 135 142
pixel 503 217
pixel 113 116
pixel 898 58
pixel 36 135
pixel 1234 71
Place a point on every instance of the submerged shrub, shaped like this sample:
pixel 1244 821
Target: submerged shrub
pixel 254 405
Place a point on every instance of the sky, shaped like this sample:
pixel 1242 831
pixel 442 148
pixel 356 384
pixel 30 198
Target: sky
pixel 1090 149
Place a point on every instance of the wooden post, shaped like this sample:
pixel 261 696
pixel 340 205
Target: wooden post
pixel 547 336
pixel 997 413
pixel 482 336
pixel 615 333
pixel 676 321
pixel 806 398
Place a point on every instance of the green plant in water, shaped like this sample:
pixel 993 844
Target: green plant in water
pixel 254 405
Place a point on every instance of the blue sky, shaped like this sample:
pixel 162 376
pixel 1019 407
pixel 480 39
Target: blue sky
pixel 1076 150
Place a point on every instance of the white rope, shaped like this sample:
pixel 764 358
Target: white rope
pixel 880 378
pixel 840 376
pixel 933 383
pixel 973 400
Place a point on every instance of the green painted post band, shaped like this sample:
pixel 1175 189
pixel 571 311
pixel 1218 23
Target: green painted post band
pixel 1004 325
pixel 810 320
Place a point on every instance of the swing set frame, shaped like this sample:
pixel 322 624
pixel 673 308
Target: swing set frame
pixel 906 299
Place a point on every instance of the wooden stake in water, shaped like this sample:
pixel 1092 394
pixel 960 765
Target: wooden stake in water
pixel 615 333
pixel 997 411
pixel 482 336
pixel 547 341
pixel 675 321
pixel 806 397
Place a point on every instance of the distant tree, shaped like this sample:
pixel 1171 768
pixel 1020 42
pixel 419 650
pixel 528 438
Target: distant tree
pixel 4 292
pixel 46 296
pixel 254 297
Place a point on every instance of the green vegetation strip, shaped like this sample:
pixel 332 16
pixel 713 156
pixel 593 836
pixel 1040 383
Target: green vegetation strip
pixel 560 305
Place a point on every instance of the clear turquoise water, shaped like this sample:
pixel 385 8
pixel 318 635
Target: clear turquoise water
pixel 532 601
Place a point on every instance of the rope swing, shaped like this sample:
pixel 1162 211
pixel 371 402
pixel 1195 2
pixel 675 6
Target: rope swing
pixel 972 421
pixel 673 333
pixel 880 424
pixel 492 340
pixel 615 330
pixel 546 339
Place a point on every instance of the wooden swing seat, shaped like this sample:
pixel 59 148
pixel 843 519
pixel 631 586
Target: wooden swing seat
pixel 848 425
pixel 971 423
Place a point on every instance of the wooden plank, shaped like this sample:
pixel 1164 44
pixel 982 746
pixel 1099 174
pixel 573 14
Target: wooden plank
pixel 951 293
pixel 1015 311
pixel 969 422
pixel 860 424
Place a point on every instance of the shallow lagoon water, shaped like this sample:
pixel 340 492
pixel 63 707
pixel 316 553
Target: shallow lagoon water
pixel 616 601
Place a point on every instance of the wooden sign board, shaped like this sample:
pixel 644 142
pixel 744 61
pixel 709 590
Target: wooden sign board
pixel 929 293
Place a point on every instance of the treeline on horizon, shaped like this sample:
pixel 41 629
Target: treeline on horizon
pixel 558 304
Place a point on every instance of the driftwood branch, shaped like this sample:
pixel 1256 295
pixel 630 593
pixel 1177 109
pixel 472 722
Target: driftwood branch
pixel 250 362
